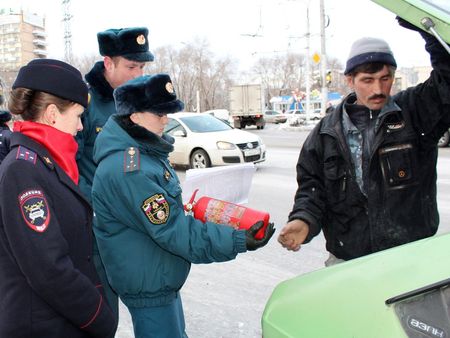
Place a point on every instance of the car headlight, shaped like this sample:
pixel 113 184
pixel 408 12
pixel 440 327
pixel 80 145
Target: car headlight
pixel 225 145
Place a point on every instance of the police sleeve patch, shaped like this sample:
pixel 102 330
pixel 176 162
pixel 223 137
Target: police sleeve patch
pixel 156 209
pixel 35 211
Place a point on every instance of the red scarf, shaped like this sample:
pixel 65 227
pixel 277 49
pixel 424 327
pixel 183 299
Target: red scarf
pixel 62 146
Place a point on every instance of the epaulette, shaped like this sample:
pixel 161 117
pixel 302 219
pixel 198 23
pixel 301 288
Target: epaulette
pixel 131 160
pixel 26 154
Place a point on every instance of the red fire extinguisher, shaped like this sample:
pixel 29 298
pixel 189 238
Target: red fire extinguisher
pixel 208 209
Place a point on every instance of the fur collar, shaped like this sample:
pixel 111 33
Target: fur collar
pixel 149 141
pixel 97 81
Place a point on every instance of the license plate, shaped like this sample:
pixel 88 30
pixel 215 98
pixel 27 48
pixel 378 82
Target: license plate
pixel 251 152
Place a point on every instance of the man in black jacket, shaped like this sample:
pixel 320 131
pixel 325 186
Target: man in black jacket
pixel 367 172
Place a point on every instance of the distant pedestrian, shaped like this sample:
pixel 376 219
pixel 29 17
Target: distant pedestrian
pixel 48 283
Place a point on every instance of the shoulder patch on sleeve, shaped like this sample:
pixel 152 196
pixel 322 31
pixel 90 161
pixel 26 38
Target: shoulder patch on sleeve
pixel 26 154
pixel 156 209
pixel 34 208
pixel 131 159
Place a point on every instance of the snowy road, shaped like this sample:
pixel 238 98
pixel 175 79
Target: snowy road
pixel 226 300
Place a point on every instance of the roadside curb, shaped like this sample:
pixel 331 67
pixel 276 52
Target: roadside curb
pixel 286 126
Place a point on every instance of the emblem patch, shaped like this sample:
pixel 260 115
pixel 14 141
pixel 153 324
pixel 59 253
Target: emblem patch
pixel 156 209
pixel 169 87
pixel 35 210
pixel 140 39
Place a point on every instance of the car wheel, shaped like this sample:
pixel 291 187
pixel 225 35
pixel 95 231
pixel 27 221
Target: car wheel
pixel 444 140
pixel 200 159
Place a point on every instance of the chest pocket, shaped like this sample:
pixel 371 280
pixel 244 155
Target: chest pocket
pixel 335 179
pixel 173 188
pixel 398 165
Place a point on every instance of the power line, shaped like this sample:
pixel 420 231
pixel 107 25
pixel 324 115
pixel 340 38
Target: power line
pixel 67 17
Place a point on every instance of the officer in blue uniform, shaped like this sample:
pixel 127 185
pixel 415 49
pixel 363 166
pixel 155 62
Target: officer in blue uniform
pixel 146 240
pixel 125 52
pixel 48 284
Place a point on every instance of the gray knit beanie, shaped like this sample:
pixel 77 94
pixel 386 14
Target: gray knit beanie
pixel 368 50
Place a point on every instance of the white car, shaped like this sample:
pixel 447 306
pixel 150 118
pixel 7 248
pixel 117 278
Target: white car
pixel 297 117
pixel 202 141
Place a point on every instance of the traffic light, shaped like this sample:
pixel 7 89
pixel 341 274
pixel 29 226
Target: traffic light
pixel 328 78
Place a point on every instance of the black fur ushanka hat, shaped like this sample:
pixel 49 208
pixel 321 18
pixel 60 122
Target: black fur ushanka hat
pixel 130 43
pixel 148 93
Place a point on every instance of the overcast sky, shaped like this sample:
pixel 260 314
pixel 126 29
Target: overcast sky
pixel 280 26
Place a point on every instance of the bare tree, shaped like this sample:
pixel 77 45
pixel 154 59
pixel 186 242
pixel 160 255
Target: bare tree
pixel 85 63
pixel 194 68
pixel 280 74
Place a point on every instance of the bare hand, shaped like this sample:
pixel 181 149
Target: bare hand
pixel 293 234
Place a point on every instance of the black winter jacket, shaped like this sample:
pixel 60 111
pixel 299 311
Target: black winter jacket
pixel 4 141
pixel 400 206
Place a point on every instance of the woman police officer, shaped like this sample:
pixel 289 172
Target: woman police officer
pixel 48 284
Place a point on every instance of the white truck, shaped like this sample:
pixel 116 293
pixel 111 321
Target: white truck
pixel 246 106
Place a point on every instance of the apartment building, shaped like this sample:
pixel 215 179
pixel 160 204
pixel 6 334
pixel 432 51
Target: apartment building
pixel 22 38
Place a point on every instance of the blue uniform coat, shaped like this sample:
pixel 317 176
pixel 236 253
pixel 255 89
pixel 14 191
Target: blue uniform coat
pixel 146 241
pixel 101 107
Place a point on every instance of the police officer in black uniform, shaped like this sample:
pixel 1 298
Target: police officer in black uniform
pixel 5 132
pixel 48 284
pixel 5 117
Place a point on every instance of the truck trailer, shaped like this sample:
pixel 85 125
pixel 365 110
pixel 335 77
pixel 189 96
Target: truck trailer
pixel 246 106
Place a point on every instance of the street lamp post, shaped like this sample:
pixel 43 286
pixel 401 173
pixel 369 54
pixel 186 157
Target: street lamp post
pixel 323 68
pixel 308 65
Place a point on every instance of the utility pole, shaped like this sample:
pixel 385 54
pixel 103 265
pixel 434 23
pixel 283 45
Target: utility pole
pixel 67 17
pixel 323 68
pixel 308 65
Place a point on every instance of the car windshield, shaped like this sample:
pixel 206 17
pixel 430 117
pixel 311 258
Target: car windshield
pixel 441 4
pixel 204 123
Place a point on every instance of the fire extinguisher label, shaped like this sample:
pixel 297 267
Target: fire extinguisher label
pixel 224 213
pixel 156 209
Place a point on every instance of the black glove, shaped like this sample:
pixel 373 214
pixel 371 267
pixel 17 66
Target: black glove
pixel 252 242
pixel 406 24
